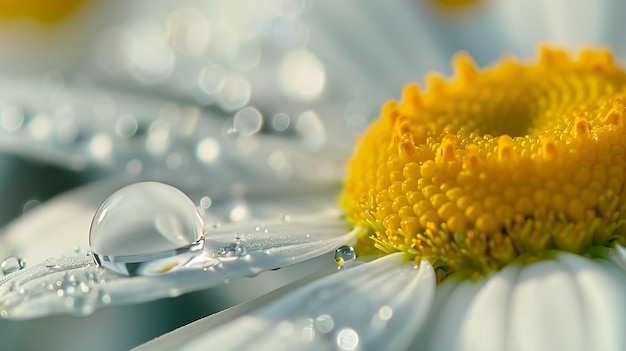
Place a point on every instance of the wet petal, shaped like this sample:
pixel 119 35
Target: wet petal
pixel 46 288
pixel 568 303
pixel 374 306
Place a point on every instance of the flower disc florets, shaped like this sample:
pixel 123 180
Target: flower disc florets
pixel 513 160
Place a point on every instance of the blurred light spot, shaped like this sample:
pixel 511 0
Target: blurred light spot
pixel 211 80
pixel 385 313
pixel 205 202
pixel 235 93
pixel 11 118
pixel 208 150
pixel 324 323
pixel 301 76
pixel 248 56
pixel 238 213
pixel 223 45
pixel 278 162
pixel 158 137
pixel 280 122
pixel 101 146
pixel 248 121
pixel 66 130
pixel 310 127
pixel 40 127
pixel 189 31
pixel 247 145
pixel 126 126
pixel 53 80
pixel 134 167
pixel 347 339
pixel 152 59
pixel 174 161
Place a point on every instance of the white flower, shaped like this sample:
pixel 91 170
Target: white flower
pixel 263 170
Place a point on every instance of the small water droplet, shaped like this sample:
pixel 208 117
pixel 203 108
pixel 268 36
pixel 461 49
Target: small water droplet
pixel 233 249
pixel 141 223
pixel 12 264
pixel 209 263
pixel 240 237
pixel 51 263
pixel 226 281
pixel 257 228
pixel 286 218
pixel 266 230
pixel 106 299
pixel 345 254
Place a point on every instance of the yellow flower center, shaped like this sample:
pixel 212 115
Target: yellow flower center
pixel 43 10
pixel 512 160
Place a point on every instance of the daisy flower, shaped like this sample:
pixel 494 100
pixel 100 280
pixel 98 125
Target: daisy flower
pixel 486 210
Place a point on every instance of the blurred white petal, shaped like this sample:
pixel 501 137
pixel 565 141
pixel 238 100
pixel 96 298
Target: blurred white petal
pixel 568 303
pixel 374 306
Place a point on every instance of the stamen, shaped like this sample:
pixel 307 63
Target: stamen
pixel 493 164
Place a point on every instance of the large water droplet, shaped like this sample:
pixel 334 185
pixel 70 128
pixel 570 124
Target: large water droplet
pixel 344 254
pixel 11 264
pixel 145 228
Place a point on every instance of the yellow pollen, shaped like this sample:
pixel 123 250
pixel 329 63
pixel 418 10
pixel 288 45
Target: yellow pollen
pixel 513 160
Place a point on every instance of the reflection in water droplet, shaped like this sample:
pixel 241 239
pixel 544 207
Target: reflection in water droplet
pixel 302 76
pixel 248 121
pixel 143 223
pixel 324 323
pixel 347 339
pixel 235 249
pixel 209 263
pixel 51 263
pixel 345 254
pixel 11 264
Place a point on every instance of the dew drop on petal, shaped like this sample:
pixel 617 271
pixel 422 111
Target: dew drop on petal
pixel 142 223
pixel 51 263
pixel 345 254
pixel 11 264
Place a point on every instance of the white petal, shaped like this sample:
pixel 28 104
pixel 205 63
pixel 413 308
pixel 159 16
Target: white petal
pixel 46 288
pixel 374 306
pixel 557 22
pixel 568 303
